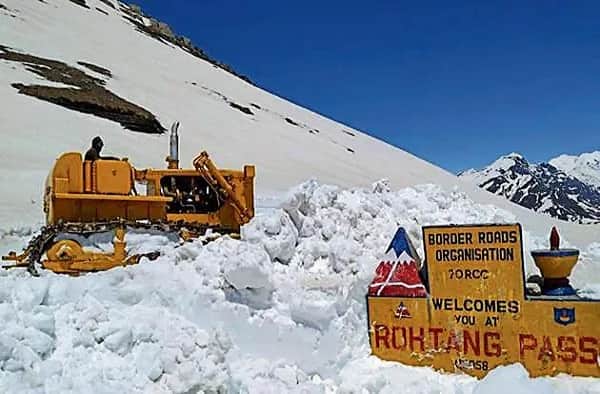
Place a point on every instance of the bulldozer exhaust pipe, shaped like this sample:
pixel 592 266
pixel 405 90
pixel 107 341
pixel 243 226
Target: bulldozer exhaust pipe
pixel 174 147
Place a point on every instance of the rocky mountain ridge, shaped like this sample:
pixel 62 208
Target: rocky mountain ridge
pixel 540 187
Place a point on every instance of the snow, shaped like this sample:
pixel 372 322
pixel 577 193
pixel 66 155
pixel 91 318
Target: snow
pixel 234 316
pixel 499 168
pixel 281 310
pixel 585 167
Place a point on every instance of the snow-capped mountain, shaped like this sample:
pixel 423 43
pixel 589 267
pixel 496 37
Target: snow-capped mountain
pixel 585 167
pixel 541 187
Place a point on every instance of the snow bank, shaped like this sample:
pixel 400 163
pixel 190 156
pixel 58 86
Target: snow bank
pixel 283 310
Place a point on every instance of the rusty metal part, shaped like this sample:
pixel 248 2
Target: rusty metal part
pixel 213 176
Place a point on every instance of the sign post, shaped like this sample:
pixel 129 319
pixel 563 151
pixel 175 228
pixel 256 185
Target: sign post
pixel 477 315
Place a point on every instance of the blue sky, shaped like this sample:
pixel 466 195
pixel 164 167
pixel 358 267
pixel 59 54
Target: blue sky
pixel 457 83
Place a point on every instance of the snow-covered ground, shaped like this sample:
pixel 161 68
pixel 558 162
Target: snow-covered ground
pixel 282 310
pixel 186 322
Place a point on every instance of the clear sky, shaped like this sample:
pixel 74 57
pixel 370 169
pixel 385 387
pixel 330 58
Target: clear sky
pixel 457 83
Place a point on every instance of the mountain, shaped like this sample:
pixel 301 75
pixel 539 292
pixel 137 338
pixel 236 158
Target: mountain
pixel 540 187
pixel 71 70
pixel 585 167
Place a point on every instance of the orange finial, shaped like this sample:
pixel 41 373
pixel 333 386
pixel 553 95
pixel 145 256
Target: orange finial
pixel 554 239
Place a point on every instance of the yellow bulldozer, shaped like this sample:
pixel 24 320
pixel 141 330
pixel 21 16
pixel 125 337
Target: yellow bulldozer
pixel 85 197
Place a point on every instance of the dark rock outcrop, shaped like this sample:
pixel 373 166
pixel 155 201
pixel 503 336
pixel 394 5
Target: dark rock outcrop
pixel 84 93
pixel 162 31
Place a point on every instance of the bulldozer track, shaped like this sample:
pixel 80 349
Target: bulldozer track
pixel 37 246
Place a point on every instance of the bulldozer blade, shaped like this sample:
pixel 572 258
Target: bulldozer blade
pixel 20 264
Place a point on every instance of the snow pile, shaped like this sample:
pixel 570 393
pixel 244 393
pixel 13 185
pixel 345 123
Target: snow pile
pixel 343 230
pixel 283 310
pixel 58 337
pixel 586 274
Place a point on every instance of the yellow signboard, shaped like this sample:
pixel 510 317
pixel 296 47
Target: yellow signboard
pixel 477 315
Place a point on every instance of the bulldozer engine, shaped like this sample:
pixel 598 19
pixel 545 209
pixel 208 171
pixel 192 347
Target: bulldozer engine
pixel 84 197
pixel 191 194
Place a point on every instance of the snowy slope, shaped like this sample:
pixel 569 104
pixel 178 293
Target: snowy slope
pixel 585 167
pixel 174 85
pixel 540 187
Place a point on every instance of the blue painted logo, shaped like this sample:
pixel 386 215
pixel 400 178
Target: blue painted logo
pixel 401 244
pixel 564 316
